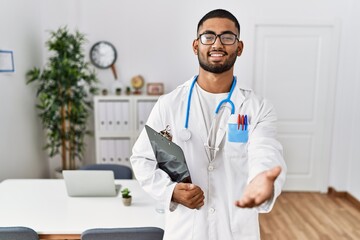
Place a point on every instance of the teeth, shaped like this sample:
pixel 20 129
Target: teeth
pixel 216 54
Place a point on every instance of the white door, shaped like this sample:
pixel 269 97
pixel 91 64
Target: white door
pixel 295 69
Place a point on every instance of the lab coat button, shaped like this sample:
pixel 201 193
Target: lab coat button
pixel 211 210
pixel 211 167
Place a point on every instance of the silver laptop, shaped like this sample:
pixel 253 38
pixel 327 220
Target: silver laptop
pixel 90 183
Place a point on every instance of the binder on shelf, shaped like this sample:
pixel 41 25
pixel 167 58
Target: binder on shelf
pixel 118 116
pixel 141 115
pixel 102 116
pixel 125 109
pixel 119 151
pixel 144 110
pixel 103 151
pixel 126 150
pixel 111 150
pixel 110 116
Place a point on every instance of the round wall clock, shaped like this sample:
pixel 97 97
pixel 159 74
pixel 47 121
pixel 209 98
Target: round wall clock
pixel 103 54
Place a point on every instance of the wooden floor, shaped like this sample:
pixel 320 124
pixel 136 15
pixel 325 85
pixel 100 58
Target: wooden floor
pixel 303 216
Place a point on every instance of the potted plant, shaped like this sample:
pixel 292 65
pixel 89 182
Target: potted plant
pixel 64 87
pixel 126 196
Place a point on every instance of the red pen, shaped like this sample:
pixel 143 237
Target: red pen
pixel 239 121
pixel 242 122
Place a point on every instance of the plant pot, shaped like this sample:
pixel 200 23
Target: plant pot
pixel 127 201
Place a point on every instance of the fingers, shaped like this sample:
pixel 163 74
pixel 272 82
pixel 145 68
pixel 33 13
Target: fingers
pixel 183 186
pixel 240 204
pixel 249 202
pixel 260 189
pixel 249 199
pixel 188 195
pixel 198 200
pixel 195 197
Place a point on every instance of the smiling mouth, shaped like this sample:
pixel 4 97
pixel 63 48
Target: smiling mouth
pixel 217 54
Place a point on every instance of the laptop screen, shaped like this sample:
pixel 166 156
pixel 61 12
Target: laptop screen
pixel 90 183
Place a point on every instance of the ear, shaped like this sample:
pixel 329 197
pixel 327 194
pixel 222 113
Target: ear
pixel 195 46
pixel 240 48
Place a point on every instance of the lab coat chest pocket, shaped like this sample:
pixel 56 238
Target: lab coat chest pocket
pixel 235 148
pixel 236 155
pixel 237 139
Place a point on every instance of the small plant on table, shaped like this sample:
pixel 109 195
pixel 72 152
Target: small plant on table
pixel 126 196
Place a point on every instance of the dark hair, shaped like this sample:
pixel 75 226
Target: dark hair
pixel 219 13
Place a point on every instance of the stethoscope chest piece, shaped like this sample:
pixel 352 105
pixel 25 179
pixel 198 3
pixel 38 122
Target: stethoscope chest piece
pixel 185 134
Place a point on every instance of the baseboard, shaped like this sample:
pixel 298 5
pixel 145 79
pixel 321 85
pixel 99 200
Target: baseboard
pixel 333 193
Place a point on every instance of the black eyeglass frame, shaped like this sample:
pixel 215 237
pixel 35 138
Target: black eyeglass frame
pixel 216 36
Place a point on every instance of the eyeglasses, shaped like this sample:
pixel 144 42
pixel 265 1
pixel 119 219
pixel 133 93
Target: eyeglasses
pixel 225 38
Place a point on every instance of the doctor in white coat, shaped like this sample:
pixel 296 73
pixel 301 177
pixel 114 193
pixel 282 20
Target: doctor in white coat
pixel 228 136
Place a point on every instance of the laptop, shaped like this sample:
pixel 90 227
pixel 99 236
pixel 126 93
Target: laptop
pixel 169 156
pixel 90 183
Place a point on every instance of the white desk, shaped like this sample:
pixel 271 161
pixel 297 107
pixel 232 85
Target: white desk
pixel 43 205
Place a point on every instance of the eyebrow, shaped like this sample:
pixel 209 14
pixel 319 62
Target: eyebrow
pixel 209 31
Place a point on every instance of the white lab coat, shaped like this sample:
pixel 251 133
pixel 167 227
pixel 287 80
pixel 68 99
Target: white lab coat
pixel 224 178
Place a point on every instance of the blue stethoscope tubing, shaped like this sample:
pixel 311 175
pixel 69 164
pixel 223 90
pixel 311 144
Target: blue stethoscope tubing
pixel 186 134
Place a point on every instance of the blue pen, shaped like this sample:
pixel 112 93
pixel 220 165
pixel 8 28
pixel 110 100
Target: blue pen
pixel 246 122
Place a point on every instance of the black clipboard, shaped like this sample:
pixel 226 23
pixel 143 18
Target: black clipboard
pixel 170 156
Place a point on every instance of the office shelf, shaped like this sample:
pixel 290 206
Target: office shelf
pixel 118 122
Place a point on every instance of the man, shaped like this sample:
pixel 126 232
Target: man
pixel 228 138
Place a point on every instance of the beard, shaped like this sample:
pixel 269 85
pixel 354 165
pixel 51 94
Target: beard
pixel 218 68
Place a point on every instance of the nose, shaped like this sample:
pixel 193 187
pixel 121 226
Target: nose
pixel 217 42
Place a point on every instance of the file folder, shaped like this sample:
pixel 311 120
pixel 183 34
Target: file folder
pixel 170 156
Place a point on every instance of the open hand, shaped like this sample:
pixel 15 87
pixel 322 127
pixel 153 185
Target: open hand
pixel 188 195
pixel 260 189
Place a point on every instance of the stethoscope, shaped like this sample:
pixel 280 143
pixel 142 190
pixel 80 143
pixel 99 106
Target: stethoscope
pixel 185 133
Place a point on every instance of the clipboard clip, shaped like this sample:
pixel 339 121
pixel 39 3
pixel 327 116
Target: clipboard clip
pixel 166 133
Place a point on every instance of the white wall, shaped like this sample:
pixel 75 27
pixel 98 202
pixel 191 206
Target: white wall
pixel 153 38
pixel 345 164
pixel 20 131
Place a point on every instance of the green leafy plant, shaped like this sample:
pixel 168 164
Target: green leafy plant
pixel 64 87
pixel 125 193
